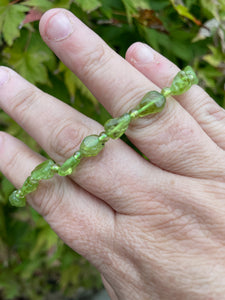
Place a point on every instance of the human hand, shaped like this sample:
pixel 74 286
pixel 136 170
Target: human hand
pixel 155 229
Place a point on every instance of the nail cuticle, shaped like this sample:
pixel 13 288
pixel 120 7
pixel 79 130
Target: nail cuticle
pixel 59 27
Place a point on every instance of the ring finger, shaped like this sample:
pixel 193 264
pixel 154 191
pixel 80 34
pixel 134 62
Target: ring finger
pixel 59 130
pixel 172 139
pixel 209 115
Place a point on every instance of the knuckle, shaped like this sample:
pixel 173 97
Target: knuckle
pixel 11 163
pixel 215 111
pixel 95 60
pixel 23 101
pixel 129 98
pixel 65 139
pixel 49 197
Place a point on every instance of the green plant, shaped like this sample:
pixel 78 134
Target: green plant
pixel 187 32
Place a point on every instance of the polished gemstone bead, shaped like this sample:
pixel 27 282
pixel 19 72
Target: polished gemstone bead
pixel 55 168
pixel 116 127
pixel 69 165
pixel 29 186
pixel 44 170
pixel 190 73
pixel 151 103
pixel 17 199
pixel 91 146
pixel 77 155
pixel 103 137
pixel 166 92
pixel 133 114
pixel 183 81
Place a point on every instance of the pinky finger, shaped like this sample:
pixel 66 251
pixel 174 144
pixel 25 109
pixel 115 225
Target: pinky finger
pixel 16 159
pixel 156 67
pixel 78 217
pixel 17 162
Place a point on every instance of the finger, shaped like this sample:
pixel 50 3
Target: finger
pixel 59 130
pixel 197 102
pixel 109 289
pixel 169 138
pixel 79 218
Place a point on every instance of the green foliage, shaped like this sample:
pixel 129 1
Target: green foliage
pixel 33 261
pixel 87 5
pixel 30 57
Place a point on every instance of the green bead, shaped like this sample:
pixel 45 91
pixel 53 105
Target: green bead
pixel 116 127
pixel 55 168
pixel 91 146
pixel 133 114
pixel 69 165
pixel 151 103
pixel 103 137
pixel 166 92
pixel 29 186
pixel 183 81
pixel 190 73
pixel 44 171
pixel 17 199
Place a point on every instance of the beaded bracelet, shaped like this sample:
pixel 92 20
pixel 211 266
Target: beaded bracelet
pixel 152 102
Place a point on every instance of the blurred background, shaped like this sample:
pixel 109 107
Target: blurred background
pixel 34 262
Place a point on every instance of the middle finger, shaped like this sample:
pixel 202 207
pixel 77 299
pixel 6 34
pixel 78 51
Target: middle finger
pixel 59 130
pixel 172 139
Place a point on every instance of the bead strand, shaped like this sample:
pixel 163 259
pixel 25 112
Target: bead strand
pixel 152 102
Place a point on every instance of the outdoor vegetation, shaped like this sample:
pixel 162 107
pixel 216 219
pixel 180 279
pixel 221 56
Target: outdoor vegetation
pixel 34 262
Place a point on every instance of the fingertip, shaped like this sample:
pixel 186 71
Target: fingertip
pixel 130 54
pixel 47 17
pixel 139 53
pixel 44 19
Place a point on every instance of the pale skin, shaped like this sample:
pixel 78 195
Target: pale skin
pixel 154 229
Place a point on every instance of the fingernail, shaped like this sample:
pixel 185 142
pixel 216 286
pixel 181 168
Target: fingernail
pixel 4 76
pixel 144 54
pixel 59 27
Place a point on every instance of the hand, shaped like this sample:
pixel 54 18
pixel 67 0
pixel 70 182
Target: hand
pixel 154 229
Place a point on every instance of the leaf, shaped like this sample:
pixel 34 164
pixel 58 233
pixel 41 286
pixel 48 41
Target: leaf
pixel 148 18
pixel 3 246
pixel 11 17
pixel 33 15
pixel 29 57
pixel 70 275
pixel 10 286
pixel 207 30
pixel 159 5
pixel 62 3
pixel 216 58
pixel 88 5
pixel 209 76
pixel 109 6
pixel 221 5
pixel 211 7
pixel 46 239
pixel 41 4
pixel 73 84
pixel 7 187
pixel 132 7
pixel 183 11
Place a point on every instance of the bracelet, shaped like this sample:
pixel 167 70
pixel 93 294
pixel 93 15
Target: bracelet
pixel 152 102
